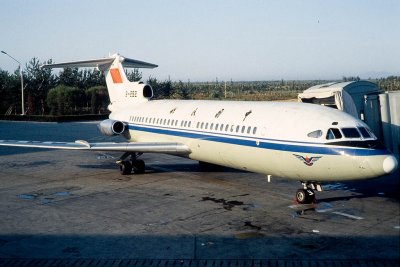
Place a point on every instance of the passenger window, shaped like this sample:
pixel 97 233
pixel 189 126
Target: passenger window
pixel 226 127
pixel 248 129
pixel 315 134
pixel 254 130
pixel 350 133
pixel 201 126
pixel 221 127
pixel 237 128
pixel 243 129
pixel 232 128
pixel 211 126
pixel 364 132
pixel 189 124
pixel 333 133
pixel 198 124
pixel 206 125
pixel 185 124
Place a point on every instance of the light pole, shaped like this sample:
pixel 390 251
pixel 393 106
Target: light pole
pixel 22 81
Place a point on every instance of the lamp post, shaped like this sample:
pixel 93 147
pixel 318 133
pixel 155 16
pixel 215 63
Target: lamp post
pixel 22 81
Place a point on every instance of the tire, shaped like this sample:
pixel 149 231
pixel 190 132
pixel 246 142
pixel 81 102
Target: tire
pixel 139 166
pixel 305 196
pixel 125 168
pixel 301 196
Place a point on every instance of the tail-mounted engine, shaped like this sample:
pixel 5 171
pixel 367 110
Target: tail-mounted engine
pixel 111 127
pixel 132 92
pixel 138 90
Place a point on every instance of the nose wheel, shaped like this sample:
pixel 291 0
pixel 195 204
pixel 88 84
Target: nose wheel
pixel 306 195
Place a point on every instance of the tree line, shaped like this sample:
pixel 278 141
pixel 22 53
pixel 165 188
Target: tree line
pixel 73 91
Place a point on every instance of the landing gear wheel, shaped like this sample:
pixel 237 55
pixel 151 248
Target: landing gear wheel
pixel 125 168
pixel 305 196
pixel 138 166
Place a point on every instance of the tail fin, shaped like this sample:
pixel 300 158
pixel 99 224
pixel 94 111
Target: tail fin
pixel 119 88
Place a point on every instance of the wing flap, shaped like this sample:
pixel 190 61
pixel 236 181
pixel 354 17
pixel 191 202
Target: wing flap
pixel 139 147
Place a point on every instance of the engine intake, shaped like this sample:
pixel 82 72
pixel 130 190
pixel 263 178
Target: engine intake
pixel 147 91
pixel 111 127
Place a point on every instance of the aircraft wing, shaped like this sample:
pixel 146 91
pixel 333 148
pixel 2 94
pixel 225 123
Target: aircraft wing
pixel 139 147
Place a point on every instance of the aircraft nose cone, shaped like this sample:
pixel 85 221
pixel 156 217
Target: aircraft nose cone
pixel 390 164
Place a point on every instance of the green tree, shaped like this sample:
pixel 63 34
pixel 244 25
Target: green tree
pixel 183 90
pixel 64 100
pixel 98 99
pixel 70 77
pixel 10 92
pixel 91 78
pixel 38 82
pixel 134 76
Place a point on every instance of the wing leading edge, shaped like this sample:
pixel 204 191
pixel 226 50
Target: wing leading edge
pixel 139 147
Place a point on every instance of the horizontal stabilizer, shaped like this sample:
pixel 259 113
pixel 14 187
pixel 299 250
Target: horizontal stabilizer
pixel 96 63
pixel 133 63
pixel 103 63
pixel 139 147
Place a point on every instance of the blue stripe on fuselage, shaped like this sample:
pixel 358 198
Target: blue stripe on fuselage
pixel 298 147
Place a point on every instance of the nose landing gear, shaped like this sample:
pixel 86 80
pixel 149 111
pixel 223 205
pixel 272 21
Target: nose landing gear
pixel 306 194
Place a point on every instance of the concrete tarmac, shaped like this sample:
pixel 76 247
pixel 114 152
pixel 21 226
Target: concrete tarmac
pixel 65 205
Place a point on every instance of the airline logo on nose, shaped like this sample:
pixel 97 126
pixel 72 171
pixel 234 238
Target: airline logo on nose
pixel 309 161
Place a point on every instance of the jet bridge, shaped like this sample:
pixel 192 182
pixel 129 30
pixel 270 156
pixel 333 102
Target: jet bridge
pixel 364 100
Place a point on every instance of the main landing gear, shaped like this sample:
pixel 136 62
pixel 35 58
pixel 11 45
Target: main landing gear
pixel 137 166
pixel 306 194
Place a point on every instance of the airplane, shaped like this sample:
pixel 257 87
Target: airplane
pixel 305 142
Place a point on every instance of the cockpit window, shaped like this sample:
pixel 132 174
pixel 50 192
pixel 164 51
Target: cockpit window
pixel 364 132
pixel 333 133
pixel 350 133
pixel 315 134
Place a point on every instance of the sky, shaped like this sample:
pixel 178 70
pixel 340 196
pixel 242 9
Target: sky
pixel 211 39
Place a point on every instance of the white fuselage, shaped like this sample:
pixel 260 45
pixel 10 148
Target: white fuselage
pixel 272 138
